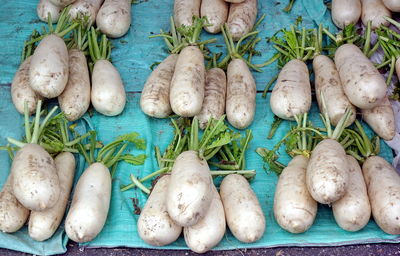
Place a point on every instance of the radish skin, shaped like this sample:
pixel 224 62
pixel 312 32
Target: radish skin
pixel 114 17
pixel 214 97
pixel 154 100
pixel 154 226
pixel 243 212
pixel 48 72
pixel 241 18
pixel 35 181
pixel 363 85
pixel 184 11
pixel 235 1
pixel 353 211
pixel 45 7
pixel 327 172
pixel 291 94
pixel 381 119
pixel 393 5
pixel 294 208
pixel 13 214
pixel 21 90
pixel 88 8
pixel 383 184
pixel 240 94
pixel 345 12
pixel 375 11
pixel 189 193
pixel 42 225
pixel 327 82
pixel 210 230
pixel 89 208
pixel 61 3
pixel 216 12
pixel 108 93
pixel 188 82
pixel 75 99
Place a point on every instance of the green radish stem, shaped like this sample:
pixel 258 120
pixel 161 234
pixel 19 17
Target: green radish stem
pixel 98 50
pixel 289 7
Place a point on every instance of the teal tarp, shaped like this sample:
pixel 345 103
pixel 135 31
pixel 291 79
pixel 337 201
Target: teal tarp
pixel 133 55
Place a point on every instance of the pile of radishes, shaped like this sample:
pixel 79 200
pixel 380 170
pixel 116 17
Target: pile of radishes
pixel 112 17
pixel 56 69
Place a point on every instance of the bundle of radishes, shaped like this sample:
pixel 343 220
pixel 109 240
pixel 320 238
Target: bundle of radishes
pixel 185 196
pixel 345 12
pixel 113 17
pixel 54 71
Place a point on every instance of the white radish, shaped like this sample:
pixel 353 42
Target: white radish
pixel 89 208
pixel 210 230
pixel 214 97
pixel 291 94
pixel 189 192
pixel 88 8
pixel 327 172
pixel 154 225
pixel 381 119
pixel 185 10
pixel 235 1
pixel 294 208
pixel 45 7
pixel 240 94
pixel 352 212
pixel 216 12
pixel 327 82
pixel 75 99
pixel 243 212
pixel 374 11
pixel 13 214
pixel 43 224
pixel 241 18
pixel 188 82
pixel 114 17
pixel 393 5
pixel 383 184
pixel 154 100
pixel 108 95
pixel 21 90
pixel 345 12
pixel 363 85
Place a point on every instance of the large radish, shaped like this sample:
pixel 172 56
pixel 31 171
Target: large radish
pixel 48 72
pixel 291 94
pixel 241 87
pixel 35 180
pixel 92 194
pixel 345 12
pixel 184 11
pixel 75 99
pixel 216 12
pixel 108 93
pixel 155 226
pixel 374 11
pixel 114 17
pixel 43 224
pixel 88 8
pixel 363 85
pixel 242 17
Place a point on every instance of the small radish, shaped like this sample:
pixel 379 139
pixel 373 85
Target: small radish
pixel 45 7
pixel 108 95
pixel 48 72
pixel 345 12
pixel 214 96
pixel 82 8
pixel 216 12
pixel 185 10
pixel 114 17
pixel 242 17
pixel 375 11
pixel 75 99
